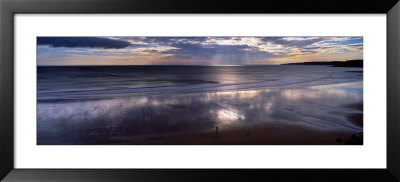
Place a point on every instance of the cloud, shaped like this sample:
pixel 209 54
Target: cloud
pixel 204 50
pixel 77 42
pixel 298 42
pixel 356 45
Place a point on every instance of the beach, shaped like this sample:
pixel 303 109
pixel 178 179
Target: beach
pixel 271 133
pixel 177 105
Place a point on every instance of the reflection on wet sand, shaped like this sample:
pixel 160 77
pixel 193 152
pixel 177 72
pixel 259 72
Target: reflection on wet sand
pixel 258 116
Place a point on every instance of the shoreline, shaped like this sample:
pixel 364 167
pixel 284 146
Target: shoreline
pixel 159 93
pixel 312 115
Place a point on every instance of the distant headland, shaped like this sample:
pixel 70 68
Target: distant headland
pixel 348 63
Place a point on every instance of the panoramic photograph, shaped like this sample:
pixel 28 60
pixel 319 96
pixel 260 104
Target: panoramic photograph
pixel 244 90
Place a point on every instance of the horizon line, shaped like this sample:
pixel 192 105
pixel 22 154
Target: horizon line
pixel 203 64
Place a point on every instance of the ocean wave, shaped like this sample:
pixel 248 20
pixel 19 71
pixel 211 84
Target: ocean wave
pixel 201 87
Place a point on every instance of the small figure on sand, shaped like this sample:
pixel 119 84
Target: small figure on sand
pixel 216 130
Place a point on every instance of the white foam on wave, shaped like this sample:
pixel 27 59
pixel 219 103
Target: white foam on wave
pixel 289 81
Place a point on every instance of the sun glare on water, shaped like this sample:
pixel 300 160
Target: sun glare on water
pixel 228 116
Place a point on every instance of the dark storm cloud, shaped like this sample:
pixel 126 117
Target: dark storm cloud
pixel 357 46
pixel 188 51
pixel 292 43
pixel 172 40
pixel 193 47
pixel 162 41
pixel 77 42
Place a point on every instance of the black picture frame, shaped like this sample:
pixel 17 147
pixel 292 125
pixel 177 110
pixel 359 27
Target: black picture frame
pixel 8 8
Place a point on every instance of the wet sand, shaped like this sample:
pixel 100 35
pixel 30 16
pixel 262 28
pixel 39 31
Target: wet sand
pixel 310 115
pixel 262 133
pixel 265 133
pixel 356 118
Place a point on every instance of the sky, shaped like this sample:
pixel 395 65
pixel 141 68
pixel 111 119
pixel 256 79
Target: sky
pixel 195 50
